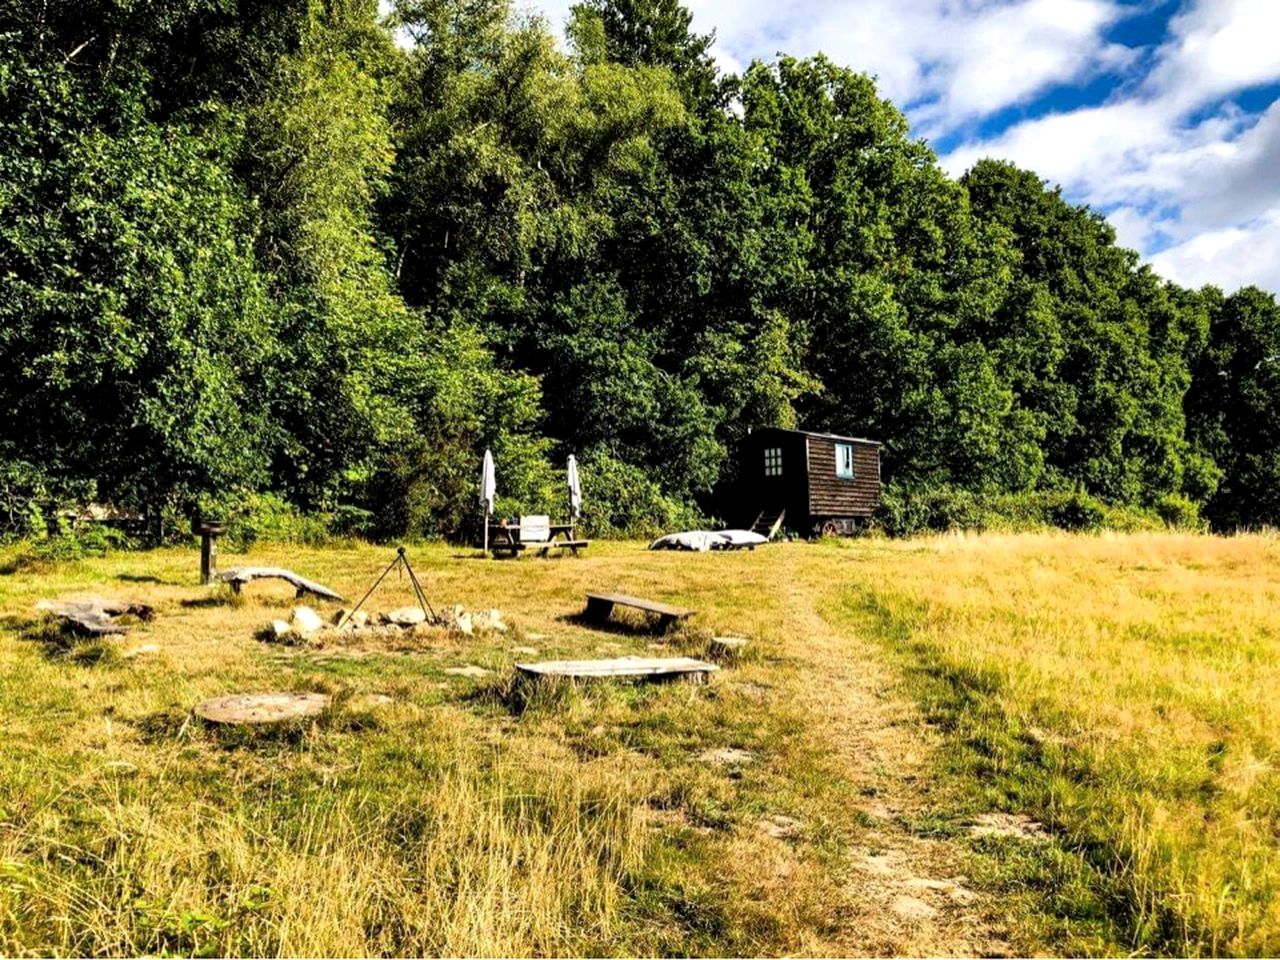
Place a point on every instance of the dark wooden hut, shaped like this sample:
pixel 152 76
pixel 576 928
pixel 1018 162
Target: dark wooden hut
pixel 813 483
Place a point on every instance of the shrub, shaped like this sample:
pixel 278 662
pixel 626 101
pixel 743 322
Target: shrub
pixel 261 517
pixel 622 500
pixel 1075 511
pixel 908 511
pixel 1180 512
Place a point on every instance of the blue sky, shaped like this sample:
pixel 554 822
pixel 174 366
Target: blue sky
pixel 1161 113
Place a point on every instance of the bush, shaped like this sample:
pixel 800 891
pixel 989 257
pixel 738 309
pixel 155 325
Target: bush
pixel 906 511
pixel 261 517
pixel 622 500
pixel 909 511
pixel 1075 511
pixel 1180 512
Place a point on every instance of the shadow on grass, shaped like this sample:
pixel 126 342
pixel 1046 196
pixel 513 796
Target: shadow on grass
pixel 201 603
pixel 60 641
pixel 147 578
pixel 625 623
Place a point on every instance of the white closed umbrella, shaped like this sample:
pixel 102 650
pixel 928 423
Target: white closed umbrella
pixel 575 489
pixel 488 487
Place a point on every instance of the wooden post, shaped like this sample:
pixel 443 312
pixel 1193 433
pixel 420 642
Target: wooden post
pixel 208 531
pixel 208 558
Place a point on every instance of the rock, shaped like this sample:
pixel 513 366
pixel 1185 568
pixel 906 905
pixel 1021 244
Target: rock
pixel 340 617
pixel 305 620
pixel 779 826
pixel 464 624
pixel 953 890
pixel 369 701
pixel 726 757
pixel 280 629
pixel 489 620
pixel 912 908
pixel 406 616
pixel 470 670
pixel 145 650
pixel 1016 825
pixel 360 618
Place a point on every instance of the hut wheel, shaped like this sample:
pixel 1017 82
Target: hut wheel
pixel 830 528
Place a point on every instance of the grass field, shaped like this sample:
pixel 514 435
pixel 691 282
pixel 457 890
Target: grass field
pixel 1117 690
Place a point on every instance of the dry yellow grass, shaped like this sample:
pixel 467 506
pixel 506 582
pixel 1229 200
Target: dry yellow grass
pixel 1116 687
pixel 1124 688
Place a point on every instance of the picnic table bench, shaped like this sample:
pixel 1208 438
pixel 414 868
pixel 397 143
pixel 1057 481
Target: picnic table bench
pixel 600 605
pixel 535 533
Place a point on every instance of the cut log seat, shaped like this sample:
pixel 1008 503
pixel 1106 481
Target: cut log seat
pixel 239 576
pixel 600 605
pixel 644 668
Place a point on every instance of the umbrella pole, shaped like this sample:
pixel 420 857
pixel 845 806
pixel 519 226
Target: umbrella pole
pixel 486 529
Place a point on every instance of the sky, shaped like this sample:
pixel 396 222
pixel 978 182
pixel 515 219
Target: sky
pixel 1162 114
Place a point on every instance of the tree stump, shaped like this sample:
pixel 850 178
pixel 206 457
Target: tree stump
pixel 252 708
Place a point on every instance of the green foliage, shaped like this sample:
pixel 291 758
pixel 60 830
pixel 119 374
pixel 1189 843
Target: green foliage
pixel 253 517
pixel 1233 405
pixel 265 255
pixel 620 499
pixel 913 510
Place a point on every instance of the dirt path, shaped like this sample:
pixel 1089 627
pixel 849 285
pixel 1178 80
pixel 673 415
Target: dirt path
pixel 904 894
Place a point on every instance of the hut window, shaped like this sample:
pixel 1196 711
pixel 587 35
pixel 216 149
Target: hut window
pixel 844 460
pixel 773 461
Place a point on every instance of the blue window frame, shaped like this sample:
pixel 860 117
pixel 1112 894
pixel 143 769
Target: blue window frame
pixel 844 461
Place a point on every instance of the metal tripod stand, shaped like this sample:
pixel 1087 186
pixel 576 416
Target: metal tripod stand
pixel 400 561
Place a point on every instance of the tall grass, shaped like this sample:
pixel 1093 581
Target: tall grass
pixel 451 860
pixel 1123 689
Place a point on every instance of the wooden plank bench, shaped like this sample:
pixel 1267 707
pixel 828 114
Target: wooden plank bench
pixel 643 668
pixel 600 606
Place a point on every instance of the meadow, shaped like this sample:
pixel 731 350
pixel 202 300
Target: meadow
pixel 1104 698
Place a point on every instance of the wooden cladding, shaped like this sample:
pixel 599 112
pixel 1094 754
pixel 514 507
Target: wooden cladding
pixel 833 496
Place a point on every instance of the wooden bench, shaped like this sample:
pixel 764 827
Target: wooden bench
pixel 600 606
pixel 239 576
pixel 571 545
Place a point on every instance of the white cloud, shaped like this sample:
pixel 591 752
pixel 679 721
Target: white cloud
pixel 1175 165
pixel 1229 258
pixel 955 60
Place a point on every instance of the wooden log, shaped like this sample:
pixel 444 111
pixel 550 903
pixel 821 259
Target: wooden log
pixel 95 617
pixel 239 576
pixel 644 668
pixel 254 708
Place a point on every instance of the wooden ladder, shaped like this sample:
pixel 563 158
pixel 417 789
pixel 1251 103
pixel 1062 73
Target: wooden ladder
pixel 768 523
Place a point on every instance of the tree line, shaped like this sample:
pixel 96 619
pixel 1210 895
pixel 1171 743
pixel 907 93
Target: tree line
pixel 297 253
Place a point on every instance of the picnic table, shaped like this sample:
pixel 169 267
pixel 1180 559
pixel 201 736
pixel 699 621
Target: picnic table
pixel 543 537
